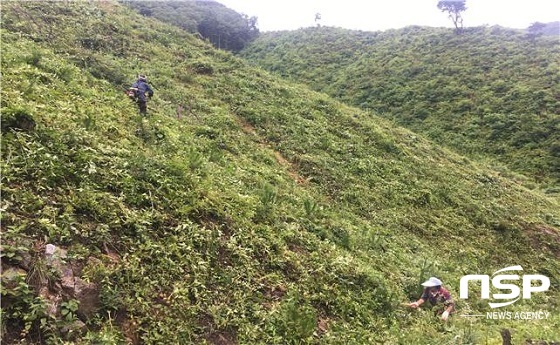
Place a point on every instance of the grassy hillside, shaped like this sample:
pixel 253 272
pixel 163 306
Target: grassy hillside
pixel 490 93
pixel 243 210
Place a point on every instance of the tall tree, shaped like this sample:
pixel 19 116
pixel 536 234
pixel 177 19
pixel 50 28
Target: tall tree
pixel 454 9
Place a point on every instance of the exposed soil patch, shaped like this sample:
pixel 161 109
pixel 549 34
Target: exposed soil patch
pixel 249 129
pixel 544 238
pixel 215 336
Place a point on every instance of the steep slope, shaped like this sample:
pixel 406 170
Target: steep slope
pixel 488 93
pixel 244 210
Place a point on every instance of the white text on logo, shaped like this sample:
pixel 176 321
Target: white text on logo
pixel 497 282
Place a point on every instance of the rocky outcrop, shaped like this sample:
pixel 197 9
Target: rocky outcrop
pixel 57 280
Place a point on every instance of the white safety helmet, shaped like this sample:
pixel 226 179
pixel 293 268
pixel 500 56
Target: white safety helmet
pixel 433 281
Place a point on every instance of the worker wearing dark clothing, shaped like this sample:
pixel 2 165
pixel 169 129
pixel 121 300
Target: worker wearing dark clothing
pixel 142 90
pixel 436 294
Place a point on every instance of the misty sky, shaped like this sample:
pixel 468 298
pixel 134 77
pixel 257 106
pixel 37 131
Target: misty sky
pixel 373 15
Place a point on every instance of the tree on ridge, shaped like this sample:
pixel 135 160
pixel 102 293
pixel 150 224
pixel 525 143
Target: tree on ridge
pixel 454 9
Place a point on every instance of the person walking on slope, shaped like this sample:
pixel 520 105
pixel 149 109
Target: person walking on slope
pixel 436 294
pixel 139 91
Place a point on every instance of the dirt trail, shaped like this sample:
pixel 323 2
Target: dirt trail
pixel 290 169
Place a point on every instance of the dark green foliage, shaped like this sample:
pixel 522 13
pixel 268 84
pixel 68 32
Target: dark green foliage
pixel 537 29
pixel 224 27
pixel 17 119
pixel 202 67
pixel 487 93
pixel 265 214
pixel 34 58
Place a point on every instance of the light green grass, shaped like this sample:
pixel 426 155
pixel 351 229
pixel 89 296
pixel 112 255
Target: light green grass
pixel 266 211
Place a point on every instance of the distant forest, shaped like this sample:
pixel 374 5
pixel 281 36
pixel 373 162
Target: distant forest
pixel 549 29
pixel 224 27
pixel 229 30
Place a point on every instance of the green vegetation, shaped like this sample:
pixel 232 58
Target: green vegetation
pixel 538 28
pixel 489 93
pixel 224 27
pixel 454 9
pixel 243 210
